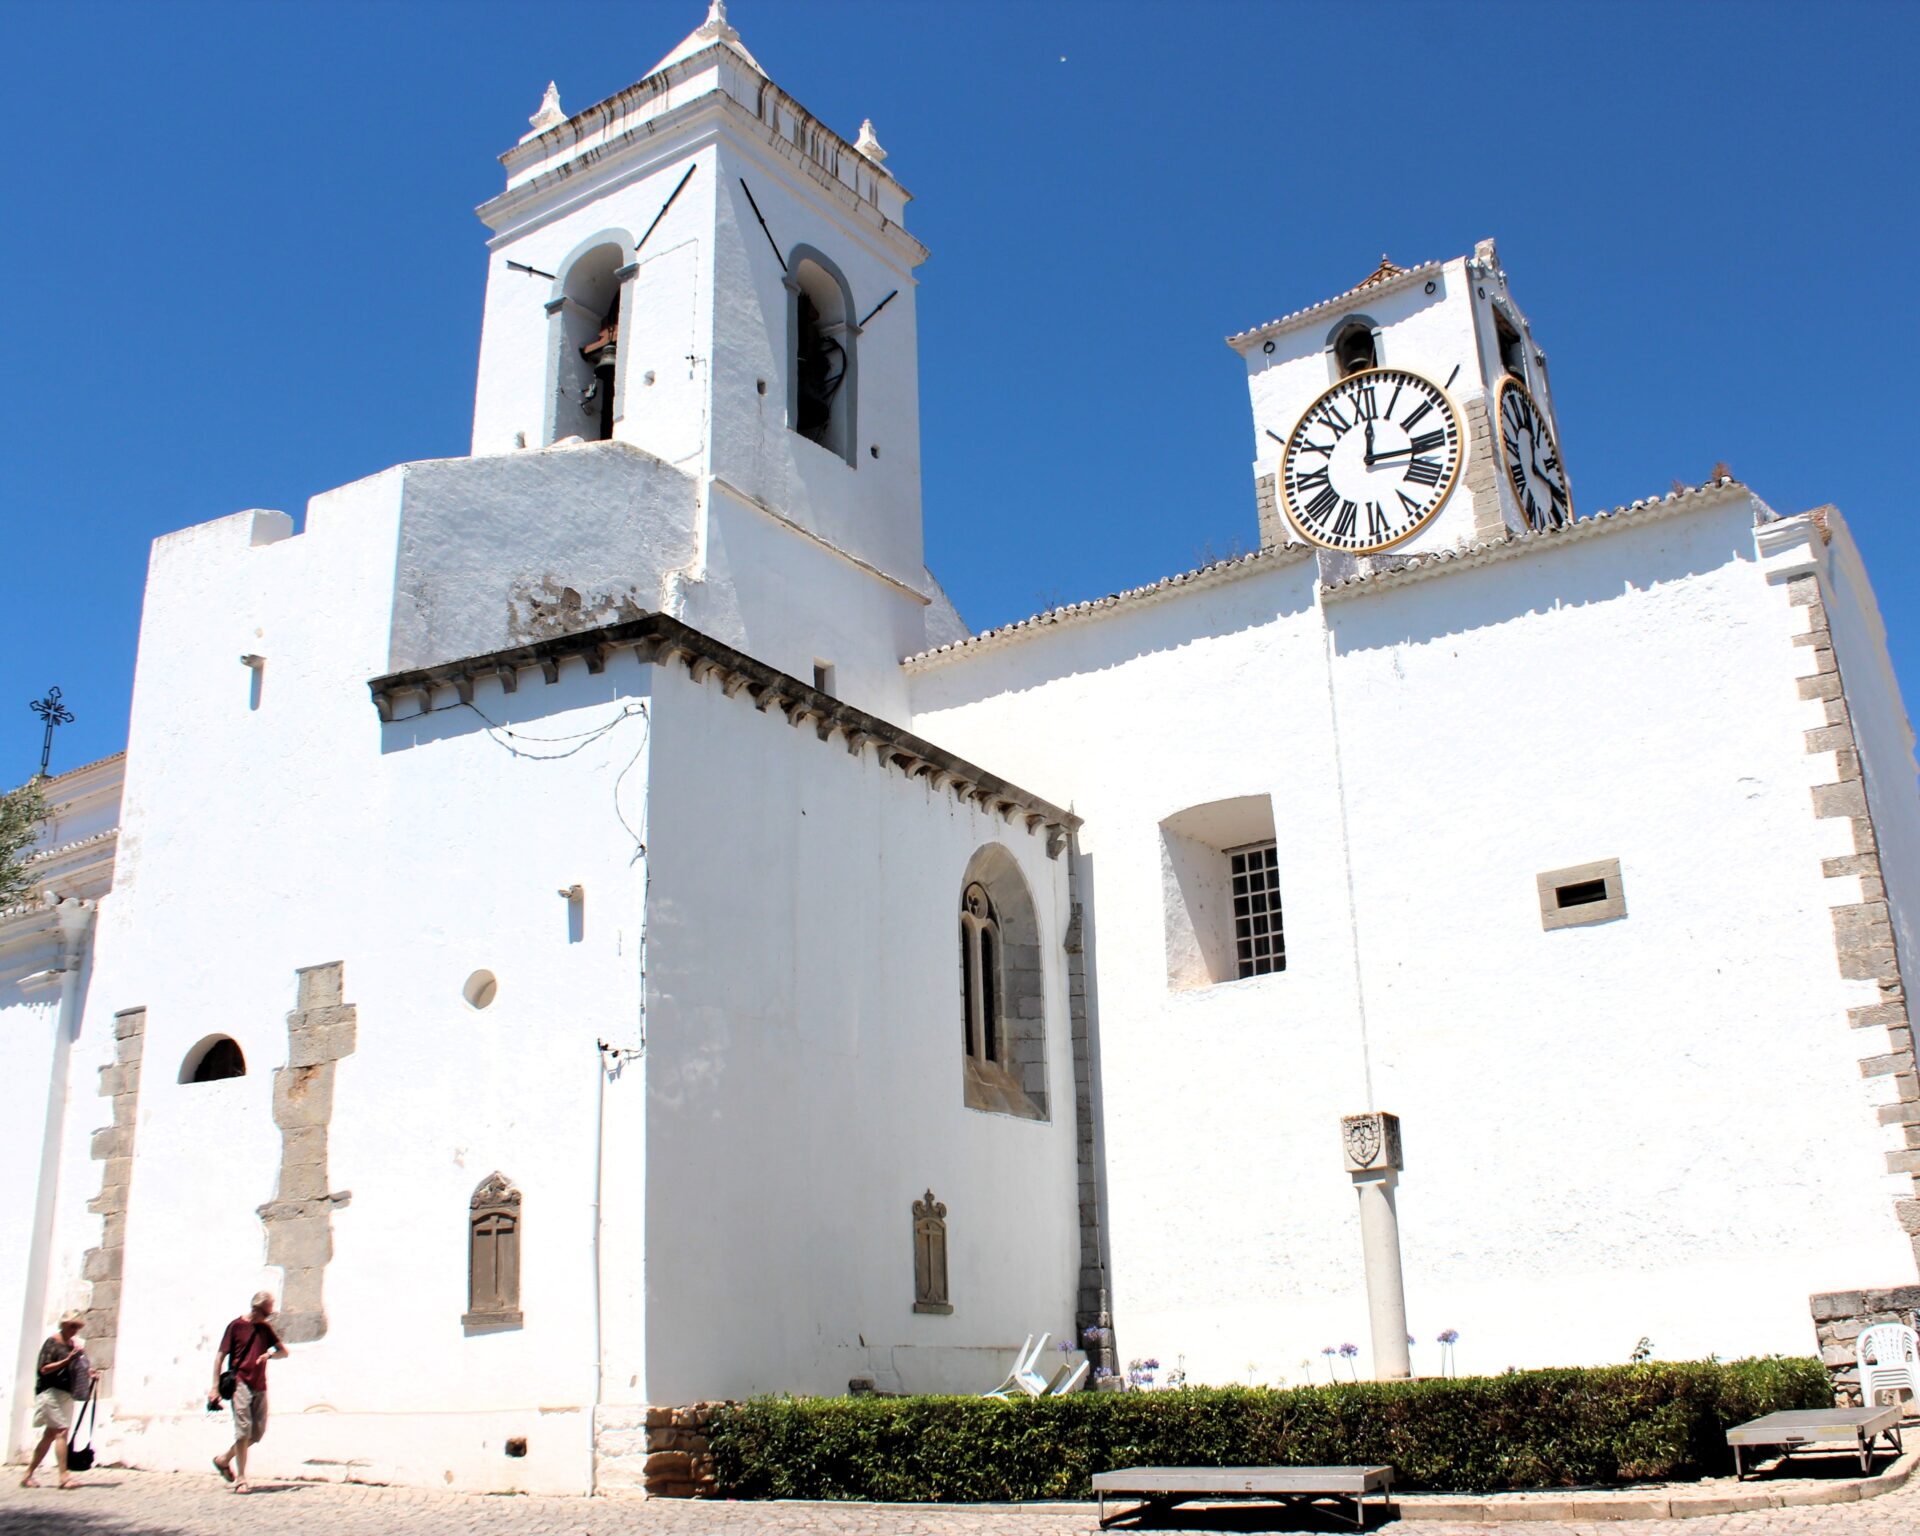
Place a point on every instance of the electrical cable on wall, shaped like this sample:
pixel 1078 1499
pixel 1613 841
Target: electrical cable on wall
pixel 612 1057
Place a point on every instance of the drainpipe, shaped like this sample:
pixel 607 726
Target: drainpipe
pixel 74 919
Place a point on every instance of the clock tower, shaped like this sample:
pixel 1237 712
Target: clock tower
pixel 1410 414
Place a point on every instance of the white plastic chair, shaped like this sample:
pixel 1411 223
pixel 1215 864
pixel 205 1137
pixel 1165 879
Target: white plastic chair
pixel 1022 1368
pixel 1888 1355
pixel 1066 1379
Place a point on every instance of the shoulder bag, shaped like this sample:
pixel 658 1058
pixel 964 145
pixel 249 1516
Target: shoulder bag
pixel 80 1457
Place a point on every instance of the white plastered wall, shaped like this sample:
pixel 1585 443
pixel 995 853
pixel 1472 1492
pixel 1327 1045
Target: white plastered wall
pixel 1882 732
pixel 305 832
pixel 805 1076
pixel 1654 1127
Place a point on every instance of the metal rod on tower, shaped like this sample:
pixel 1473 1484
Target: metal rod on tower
pixel 763 224
pixel 666 205
pixel 53 712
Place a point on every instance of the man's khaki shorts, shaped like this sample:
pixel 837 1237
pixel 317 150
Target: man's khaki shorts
pixel 249 1414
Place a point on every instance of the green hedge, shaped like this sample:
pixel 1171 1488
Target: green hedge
pixel 1527 1429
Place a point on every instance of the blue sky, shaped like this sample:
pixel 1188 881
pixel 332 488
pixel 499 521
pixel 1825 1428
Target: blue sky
pixel 241 264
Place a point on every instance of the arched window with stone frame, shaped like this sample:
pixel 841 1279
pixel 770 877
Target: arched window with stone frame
pixel 493 1256
pixel 584 374
pixel 1002 993
pixel 822 353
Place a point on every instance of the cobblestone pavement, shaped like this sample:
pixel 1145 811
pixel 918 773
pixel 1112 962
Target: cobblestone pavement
pixel 115 1502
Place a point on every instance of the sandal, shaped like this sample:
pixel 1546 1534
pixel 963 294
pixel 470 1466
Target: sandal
pixel 223 1469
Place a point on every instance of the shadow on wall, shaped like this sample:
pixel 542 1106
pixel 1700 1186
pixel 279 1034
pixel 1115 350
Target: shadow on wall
pixel 1600 569
pixel 1121 636
pixel 613 696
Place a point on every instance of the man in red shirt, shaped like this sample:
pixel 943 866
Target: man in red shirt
pixel 245 1348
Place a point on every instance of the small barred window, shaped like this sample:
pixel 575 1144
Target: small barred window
pixel 1260 944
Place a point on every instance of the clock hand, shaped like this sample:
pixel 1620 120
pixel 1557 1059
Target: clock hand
pixel 1396 453
pixel 1369 457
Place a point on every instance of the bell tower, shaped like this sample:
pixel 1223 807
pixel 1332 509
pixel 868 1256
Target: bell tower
pixel 1410 414
pixel 699 268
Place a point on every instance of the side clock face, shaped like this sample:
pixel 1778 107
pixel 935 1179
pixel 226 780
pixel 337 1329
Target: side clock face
pixel 1371 461
pixel 1532 460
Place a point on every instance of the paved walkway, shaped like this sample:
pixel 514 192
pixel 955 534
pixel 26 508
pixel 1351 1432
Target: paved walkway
pixel 115 1502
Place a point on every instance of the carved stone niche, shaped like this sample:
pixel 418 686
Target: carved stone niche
pixel 1371 1142
pixel 493 1257
pixel 930 1256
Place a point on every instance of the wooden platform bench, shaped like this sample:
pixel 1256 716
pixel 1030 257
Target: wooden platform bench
pixel 1164 1487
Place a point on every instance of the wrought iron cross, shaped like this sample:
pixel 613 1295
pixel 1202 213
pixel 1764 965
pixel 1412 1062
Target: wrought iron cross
pixel 53 712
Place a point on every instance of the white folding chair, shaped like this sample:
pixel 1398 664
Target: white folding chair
pixel 1888 1355
pixel 1066 1379
pixel 1022 1364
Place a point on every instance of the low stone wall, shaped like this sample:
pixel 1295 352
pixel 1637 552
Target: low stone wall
pixel 660 1452
pixel 1840 1317
pixel 679 1465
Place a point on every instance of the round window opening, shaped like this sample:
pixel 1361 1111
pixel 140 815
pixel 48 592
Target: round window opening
pixel 480 989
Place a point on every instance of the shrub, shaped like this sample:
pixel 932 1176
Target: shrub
pixel 1526 1429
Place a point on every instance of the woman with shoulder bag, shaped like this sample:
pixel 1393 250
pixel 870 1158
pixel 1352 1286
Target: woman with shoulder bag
pixel 63 1374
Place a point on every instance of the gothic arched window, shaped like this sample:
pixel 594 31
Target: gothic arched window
pixel 493 1256
pixel 1002 1008
pixel 980 968
pixel 821 353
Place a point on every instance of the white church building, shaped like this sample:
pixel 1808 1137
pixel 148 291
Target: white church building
pixel 588 926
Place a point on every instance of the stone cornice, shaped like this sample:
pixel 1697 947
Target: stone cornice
pixel 1218 574
pixel 620 148
pixel 662 640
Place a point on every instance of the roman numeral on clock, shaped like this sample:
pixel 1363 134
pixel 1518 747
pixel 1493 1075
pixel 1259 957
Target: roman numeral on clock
pixel 1343 525
pixel 1426 442
pixel 1408 502
pixel 1321 505
pixel 1309 480
pixel 1423 471
pixel 1365 404
pixel 1419 411
pixel 1332 416
pixel 1376 520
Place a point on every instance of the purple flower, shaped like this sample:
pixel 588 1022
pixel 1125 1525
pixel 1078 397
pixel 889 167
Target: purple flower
pixel 1329 1350
pixel 1348 1351
pixel 1410 1341
pixel 1451 1336
pixel 1101 1370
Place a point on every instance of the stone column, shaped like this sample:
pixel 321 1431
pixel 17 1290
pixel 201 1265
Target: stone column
pixel 1372 1143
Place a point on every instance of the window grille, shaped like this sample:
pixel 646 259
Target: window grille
pixel 1260 944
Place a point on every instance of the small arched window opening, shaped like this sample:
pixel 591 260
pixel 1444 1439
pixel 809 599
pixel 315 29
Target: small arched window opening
pixel 214 1058
pixel 493 1256
pixel 585 327
pixel 1003 1044
pixel 1354 348
pixel 821 353
pixel 1513 346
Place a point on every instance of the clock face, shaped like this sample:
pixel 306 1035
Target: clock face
pixel 1532 460
pixel 1371 461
